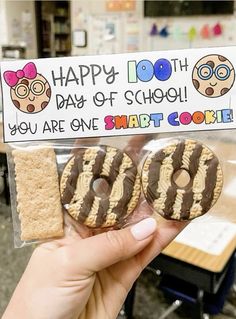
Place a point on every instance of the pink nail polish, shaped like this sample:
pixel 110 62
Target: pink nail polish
pixel 144 229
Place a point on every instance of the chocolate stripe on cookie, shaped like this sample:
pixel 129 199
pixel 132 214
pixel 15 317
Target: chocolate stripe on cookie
pixel 110 153
pixel 210 183
pixel 83 182
pixel 113 173
pixel 91 219
pixel 154 176
pixel 96 170
pixel 199 183
pixel 90 195
pixel 71 181
pixel 115 166
pixel 172 190
pixel 101 213
pixel 135 195
pixel 119 190
pixel 177 156
pixel 166 171
pixel 86 206
pixel 128 184
pixel 188 197
pixel 104 164
pixel 99 161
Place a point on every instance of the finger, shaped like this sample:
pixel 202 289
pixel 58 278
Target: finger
pixel 131 268
pixel 166 232
pixel 73 227
pixel 108 248
pixel 72 231
pixel 142 211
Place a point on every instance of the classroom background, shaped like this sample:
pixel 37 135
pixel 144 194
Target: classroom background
pixel 195 275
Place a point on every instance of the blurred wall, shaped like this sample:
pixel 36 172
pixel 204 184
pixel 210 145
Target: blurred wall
pixel 3 29
pixel 92 15
pixel 19 18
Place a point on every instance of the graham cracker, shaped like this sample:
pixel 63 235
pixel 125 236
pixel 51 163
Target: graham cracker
pixel 38 197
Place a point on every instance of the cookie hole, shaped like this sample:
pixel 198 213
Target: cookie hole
pixel 181 178
pixel 101 187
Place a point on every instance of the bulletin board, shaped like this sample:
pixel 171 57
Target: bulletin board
pixel 105 36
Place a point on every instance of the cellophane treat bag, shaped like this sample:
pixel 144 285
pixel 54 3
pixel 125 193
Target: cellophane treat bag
pixel 101 142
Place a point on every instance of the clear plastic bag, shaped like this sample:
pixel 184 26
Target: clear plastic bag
pixel 105 183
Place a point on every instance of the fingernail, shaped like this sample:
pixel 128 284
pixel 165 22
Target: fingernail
pixel 144 229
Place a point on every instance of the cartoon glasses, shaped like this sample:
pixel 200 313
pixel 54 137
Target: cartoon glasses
pixel 221 72
pixel 22 90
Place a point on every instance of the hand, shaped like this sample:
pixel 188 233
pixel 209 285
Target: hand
pixel 88 277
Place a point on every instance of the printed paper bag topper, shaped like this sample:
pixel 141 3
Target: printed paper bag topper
pixel 30 91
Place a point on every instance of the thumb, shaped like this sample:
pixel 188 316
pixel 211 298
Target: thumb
pixel 106 249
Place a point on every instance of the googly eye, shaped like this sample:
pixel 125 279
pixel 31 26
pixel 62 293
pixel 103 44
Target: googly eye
pixel 205 72
pixel 22 91
pixel 37 87
pixel 222 72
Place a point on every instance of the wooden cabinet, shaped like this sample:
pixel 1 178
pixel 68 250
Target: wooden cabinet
pixel 54 32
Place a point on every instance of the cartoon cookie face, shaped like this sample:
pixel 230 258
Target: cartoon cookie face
pixel 213 75
pixel 30 91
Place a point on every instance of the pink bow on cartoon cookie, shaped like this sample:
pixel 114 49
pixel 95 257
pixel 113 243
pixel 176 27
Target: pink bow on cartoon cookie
pixel 29 71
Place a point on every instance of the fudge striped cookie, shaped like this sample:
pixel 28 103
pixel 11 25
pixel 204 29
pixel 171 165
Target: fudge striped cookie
pixel 200 193
pixel 102 163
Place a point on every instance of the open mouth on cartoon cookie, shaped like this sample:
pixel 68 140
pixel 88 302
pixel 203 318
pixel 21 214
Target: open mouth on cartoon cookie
pixel 33 98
